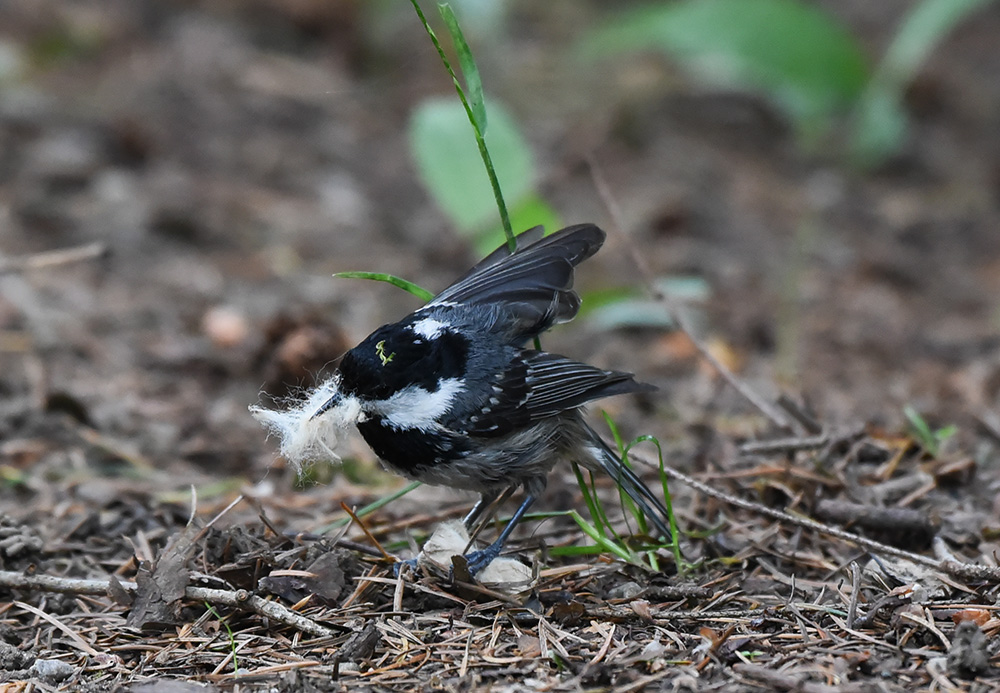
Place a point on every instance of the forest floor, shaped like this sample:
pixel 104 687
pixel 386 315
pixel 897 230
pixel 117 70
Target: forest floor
pixel 208 165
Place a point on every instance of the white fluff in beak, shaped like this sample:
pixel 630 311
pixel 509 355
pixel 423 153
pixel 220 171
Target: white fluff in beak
pixel 309 429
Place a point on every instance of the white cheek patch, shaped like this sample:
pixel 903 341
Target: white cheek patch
pixel 415 408
pixel 429 328
pixel 305 435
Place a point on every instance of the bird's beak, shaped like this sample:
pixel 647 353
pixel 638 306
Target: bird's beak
pixel 335 399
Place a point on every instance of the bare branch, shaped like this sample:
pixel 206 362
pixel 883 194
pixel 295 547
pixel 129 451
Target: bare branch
pixel 761 403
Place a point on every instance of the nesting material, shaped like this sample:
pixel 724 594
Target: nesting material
pixel 308 432
pixel 451 539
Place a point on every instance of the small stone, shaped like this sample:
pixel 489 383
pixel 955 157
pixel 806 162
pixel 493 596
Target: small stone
pixel 626 590
pixel 51 670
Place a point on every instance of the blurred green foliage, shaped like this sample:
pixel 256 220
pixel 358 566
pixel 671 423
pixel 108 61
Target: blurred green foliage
pixel 801 57
pixel 451 167
pixel 880 119
pixel 449 161
pixel 931 440
pixel 796 54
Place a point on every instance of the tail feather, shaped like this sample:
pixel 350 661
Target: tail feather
pixel 647 501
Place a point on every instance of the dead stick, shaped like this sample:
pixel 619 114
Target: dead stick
pixel 53 258
pixel 764 406
pixel 791 445
pixel 852 609
pixel 913 523
pixel 954 568
pixel 239 599
pixel 781 681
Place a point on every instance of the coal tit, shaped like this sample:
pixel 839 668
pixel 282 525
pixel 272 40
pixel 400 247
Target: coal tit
pixel 453 395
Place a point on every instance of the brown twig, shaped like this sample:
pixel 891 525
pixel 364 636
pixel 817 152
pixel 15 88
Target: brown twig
pixel 914 524
pixel 762 404
pixel 53 258
pixel 852 609
pixel 780 681
pixel 74 637
pixel 798 444
pixel 238 599
pixel 950 567
pixel 799 413
pixel 371 537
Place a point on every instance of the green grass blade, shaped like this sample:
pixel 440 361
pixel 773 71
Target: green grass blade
pixel 925 436
pixel 370 508
pixel 483 151
pixel 415 289
pixel 473 81
pixel 674 545
pixel 602 515
pixel 589 499
pixel 571 551
pixel 627 502
pixel 602 541
pixel 229 631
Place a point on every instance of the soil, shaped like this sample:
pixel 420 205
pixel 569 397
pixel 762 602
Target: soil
pixel 218 161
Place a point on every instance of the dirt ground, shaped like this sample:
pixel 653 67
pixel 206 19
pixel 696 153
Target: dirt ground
pixel 227 157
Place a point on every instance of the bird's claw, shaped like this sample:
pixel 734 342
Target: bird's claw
pixel 398 566
pixel 477 560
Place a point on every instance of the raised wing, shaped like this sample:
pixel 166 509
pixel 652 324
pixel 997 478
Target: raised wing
pixel 534 285
pixel 538 385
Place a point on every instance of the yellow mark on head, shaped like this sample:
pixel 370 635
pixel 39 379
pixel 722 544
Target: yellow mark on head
pixel 380 352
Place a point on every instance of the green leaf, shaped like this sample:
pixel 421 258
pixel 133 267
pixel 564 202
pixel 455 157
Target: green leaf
pixel 416 290
pixel 631 311
pixel 630 314
pixel 450 164
pixel 930 440
pixel 925 436
pixel 880 121
pixel 921 31
pixel 879 128
pixel 797 54
pixel 473 82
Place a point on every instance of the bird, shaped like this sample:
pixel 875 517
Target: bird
pixel 455 394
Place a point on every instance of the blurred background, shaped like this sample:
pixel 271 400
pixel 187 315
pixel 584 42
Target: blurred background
pixel 819 182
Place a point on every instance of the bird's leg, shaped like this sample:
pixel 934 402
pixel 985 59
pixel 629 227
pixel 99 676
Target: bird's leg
pixel 478 560
pixel 485 501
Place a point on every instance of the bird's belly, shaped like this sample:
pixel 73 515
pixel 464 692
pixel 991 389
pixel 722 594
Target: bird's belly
pixel 443 459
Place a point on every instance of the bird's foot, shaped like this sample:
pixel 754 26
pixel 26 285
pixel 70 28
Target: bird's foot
pixel 398 566
pixel 477 560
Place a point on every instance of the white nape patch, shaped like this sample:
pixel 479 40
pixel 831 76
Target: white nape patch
pixel 429 328
pixel 414 407
pixel 437 304
pixel 306 436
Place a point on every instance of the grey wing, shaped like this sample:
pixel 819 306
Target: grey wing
pixel 538 385
pixel 534 284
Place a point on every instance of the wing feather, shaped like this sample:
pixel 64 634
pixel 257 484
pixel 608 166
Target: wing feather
pixel 538 385
pixel 534 285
